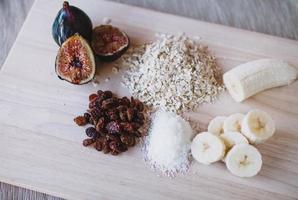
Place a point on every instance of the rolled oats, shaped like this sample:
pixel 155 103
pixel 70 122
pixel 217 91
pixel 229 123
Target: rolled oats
pixel 173 72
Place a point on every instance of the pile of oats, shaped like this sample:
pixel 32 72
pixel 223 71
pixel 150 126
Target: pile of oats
pixel 173 72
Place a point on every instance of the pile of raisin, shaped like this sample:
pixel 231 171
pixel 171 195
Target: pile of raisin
pixel 115 122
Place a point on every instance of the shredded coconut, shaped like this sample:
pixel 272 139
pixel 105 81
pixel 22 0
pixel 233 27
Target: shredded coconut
pixel 168 144
pixel 173 72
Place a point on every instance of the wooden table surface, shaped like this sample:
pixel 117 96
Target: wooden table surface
pixel 267 16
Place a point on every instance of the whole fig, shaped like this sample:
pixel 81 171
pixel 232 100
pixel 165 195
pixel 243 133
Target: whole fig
pixel 71 20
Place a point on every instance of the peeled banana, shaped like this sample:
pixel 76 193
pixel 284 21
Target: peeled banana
pixel 233 122
pixel 216 125
pixel 232 138
pixel 207 148
pixel 250 78
pixel 257 126
pixel 244 160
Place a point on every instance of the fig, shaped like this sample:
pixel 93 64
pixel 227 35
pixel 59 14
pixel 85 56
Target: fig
pixel 108 42
pixel 75 61
pixel 71 20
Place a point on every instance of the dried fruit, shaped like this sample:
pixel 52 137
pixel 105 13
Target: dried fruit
pixel 100 124
pixel 87 117
pixel 116 122
pixel 75 61
pixel 91 132
pixel 108 103
pixel 107 94
pixel 108 42
pixel 98 145
pixel 69 21
pixel 80 121
pixel 88 141
pixel 92 97
pixel 113 127
pixel 128 140
pixel 130 114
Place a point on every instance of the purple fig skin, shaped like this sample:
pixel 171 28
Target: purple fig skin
pixel 69 21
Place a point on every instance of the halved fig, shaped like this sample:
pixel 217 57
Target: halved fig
pixel 75 61
pixel 108 42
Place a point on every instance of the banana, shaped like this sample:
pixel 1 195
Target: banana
pixel 216 125
pixel 207 148
pixel 244 160
pixel 232 138
pixel 233 122
pixel 257 126
pixel 250 78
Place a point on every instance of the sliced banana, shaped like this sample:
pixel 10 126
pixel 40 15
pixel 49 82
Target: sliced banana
pixel 250 78
pixel 233 122
pixel 207 148
pixel 257 126
pixel 244 160
pixel 232 138
pixel 216 125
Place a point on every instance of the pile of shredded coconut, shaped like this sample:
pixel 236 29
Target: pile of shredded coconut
pixel 173 72
pixel 168 143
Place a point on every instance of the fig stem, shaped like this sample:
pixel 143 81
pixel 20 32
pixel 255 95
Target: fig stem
pixel 65 5
pixel 66 8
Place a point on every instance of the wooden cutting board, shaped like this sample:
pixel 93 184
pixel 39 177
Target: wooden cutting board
pixel 40 146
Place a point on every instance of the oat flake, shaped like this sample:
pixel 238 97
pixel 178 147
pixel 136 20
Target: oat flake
pixel 174 73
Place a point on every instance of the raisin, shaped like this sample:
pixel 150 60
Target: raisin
pixel 92 104
pixel 108 103
pixel 100 124
pixel 122 148
pixel 124 101
pixel 132 102
pixel 127 127
pixel 111 137
pixel 99 144
pixel 96 113
pixel 105 147
pixel 91 132
pixel 121 108
pixel 140 116
pixel 92 97
pixel 80 121
pixel 139 105
pixel 87 117
pixel 114 145
pixel 88 141
pixel 113 127
pixel 113 115
pixel 138 133
pixel 135 125
pixel 114 152
pixel 128 140
pixel 107 94
pixel 99 93
pixel 130 114
pixel 123 115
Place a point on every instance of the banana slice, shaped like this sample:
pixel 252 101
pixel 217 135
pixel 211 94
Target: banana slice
pixel 207 148
pixel 257 126
pixel 233 122
pixel 244 160
pixel 232 138
pixel 216 125
pixel 250 78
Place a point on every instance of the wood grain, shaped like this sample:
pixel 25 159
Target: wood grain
pixel 40 146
